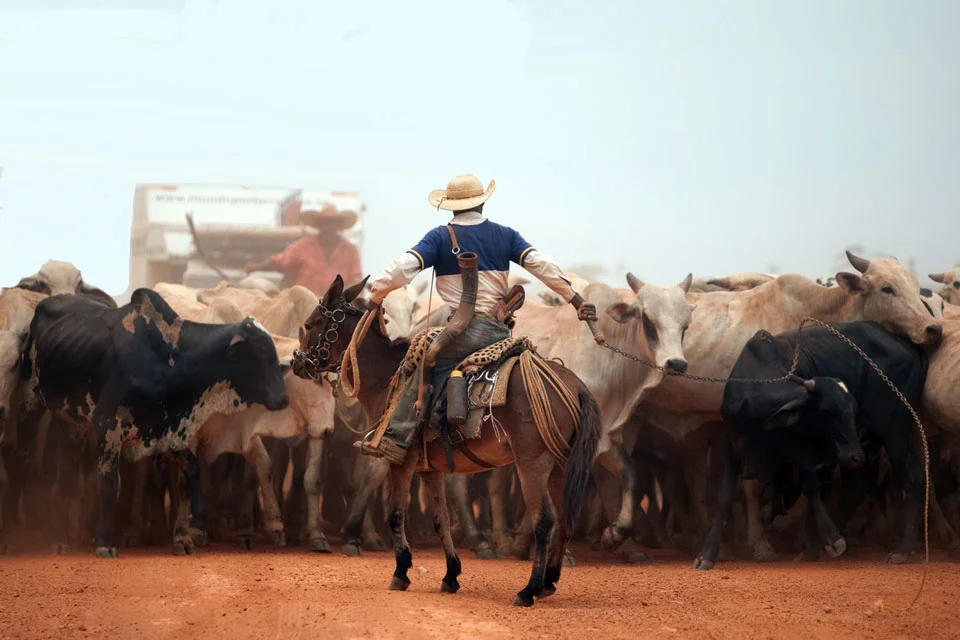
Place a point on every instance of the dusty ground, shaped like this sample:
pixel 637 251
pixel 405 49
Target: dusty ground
pixel 223 593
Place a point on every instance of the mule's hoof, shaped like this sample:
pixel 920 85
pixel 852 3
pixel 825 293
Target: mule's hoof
pixel 702 564
pixel 199 537
pixel 484 551
pixel 896 558
pixel 245 542
pixel 449 588
pixel 351 549
pixel 374 543
pixel 568 559
pixel 763 552
pixel 319 545
pixel 523 600
pixel 399 584
pixel 277 539
pixel 836 548
pixel 106 552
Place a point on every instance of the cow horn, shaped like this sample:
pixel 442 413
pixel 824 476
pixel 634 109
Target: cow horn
pixel 938 277
pixel 635 283
pixel 860 264
pixel 810 385
pixel 685 284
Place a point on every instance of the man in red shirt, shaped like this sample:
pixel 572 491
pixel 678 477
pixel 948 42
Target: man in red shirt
pixel 314 261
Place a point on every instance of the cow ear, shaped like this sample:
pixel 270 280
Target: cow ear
pixel 686 282
pixel 851 283
pixel 351 294
pixel 32 283
pixel 622 312
pixel 789 414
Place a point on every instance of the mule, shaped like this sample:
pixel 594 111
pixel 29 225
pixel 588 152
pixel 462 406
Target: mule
pixel 552 494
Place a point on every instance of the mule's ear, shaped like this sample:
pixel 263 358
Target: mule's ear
pixel 851 283
pixel 685 284
pixel 622 312
pixel 351 294
pixel 938 277
pixel 335 291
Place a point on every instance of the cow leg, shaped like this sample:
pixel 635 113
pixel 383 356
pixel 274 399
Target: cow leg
pixel 617 462
pixel 109 489
pixel 190 527
pixel 441 523
pixel 762 549
pixel 830 537
pixel 68 484
pixel 132 533
pixel 354 525
pixel 259 460
pixel 295 504
pixel 909 470
pixel 457 485
pixel 316 541
pixel 400 479
pixel 728 487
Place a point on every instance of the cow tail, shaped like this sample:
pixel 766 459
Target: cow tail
pixel 583 449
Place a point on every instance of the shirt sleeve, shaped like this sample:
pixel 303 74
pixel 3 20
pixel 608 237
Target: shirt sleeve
pixel 403 269
pixel 547 272
pixel 428 249
pixel 519 248
pixel 289 261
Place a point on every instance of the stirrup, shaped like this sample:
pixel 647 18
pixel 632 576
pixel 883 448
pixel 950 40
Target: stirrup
pixel 365 448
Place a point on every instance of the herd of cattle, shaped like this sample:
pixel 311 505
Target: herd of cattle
pixel 176 418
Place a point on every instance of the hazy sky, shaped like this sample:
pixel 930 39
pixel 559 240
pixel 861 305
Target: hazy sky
pixel 664 136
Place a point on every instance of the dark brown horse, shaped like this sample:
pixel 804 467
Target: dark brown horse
pixel 552 494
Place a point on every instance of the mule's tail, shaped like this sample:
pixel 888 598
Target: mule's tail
pixel 583 449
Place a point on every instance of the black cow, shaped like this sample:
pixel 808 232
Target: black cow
pixel 146 380
pixel 748 406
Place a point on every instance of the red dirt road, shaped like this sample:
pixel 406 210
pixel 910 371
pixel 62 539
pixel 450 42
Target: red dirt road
pixel 223 593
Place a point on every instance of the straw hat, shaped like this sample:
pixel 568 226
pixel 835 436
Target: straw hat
pixel 463 192
pixel 329 216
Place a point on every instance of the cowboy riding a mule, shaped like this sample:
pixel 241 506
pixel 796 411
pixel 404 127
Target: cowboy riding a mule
pixel 458 378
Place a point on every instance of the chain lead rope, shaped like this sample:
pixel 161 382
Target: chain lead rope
pixel 785 378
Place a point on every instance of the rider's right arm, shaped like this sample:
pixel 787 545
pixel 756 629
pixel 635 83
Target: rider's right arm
pixel 406 266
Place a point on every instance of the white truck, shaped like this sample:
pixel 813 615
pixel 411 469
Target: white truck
pixel 233 225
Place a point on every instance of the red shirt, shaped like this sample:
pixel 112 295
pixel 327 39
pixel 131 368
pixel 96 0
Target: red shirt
pixel 306 262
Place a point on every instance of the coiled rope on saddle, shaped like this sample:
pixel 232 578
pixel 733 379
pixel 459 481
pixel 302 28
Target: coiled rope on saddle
pixel 537 374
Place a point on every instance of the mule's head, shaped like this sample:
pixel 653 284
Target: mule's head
pixel 951 284
pixel 326 333
pixel 662 315
pixel 890 296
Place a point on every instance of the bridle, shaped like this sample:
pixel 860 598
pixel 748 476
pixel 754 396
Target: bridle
pixel 315 361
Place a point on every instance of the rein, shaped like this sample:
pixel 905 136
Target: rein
pixel 600 340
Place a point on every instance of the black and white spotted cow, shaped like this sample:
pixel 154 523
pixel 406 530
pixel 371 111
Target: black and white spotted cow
pixel 145 380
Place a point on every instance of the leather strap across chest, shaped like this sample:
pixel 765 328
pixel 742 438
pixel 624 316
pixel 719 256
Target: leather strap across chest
pixel 453 239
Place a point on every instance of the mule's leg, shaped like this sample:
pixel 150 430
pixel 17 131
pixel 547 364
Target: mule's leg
pixel 353 528
pixel 457 484
pixel 558 551
pixel 400 479
pixel 534 477
pixel 316 541
pixel 441 522
pixel 259 460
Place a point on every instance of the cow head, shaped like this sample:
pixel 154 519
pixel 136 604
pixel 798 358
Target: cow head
pixel 56 277
pixel 327 332
pixel 250 356
pixel 400 309
pixel 890 296
pixel 663 315
pixel 826 412
pixel 11 348
pixel 951 284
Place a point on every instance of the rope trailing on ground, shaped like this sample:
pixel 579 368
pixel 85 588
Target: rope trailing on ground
pixel 535 371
